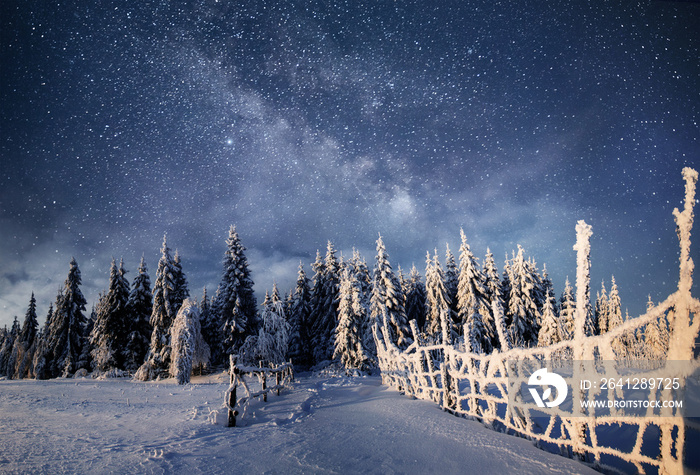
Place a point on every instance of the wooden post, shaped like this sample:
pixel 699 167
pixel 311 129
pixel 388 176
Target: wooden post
pixel 233 370
pixel 277 382
pixel 264 383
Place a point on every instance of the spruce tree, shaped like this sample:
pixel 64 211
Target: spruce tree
pixel 299 313
pixel 451 287
pixel 614 306
pixel 349 348
pixel 189 350
pixel 436 296
pixel 181 291
pixel 493 292
pixel 111 327
pixel 601 311
pixel 139 307
pixel 387 300
pixel 273 336
pixel 234 305
pixel 25 344
pixel 65 337
pixel 358 268
pixel 522 303
pixel 566 312
pixel 415 298
pixel 324 304
pixel 549 331
pixel 165 301
pixel 472 299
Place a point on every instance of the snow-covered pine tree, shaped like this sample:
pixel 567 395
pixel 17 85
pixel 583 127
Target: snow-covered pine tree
pixel 451 287
pixel 139 307
pixel 181 291
pixel 493 291
pixel 614 306
pixel 4 349
pixel 436 296
pixel 601 310
pixel 415 298
pixel 358 267
pixel 324 305
pixel 566 313
pixel 111 327
pixel 349 349
pixel 65 338
pixel 298 319
pixel 522 310
pixel 189 350
pixel 40 354
pixel 25 344
pixel 472 300
pixel 273 336
pixel 7 360
pixel 387 300
pixel 234 306
pixel 157 363
pixel 210 332
pixel 549 331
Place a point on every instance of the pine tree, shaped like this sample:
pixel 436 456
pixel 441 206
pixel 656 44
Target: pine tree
pixel 493 292
pixel 601 311
pixel 189 349
pixel 349 349
pixel 139 307
pixel 451 287
pixel 358 268
pixel 273 336
pixel 210 331
pixel 25 344
pixel 415 298
pixel 549 331
pixel 65 338
pixel 42 350
pixel 234 307
pixel 324 305
pixel 387 300
pixel 299 314
pixel 180 292
pixel 165 300
pixel 7 360
pixel 472 300
pixel 566 314
pixel 614 306
pixel 522 310
pixel 436 296
pixel 111 327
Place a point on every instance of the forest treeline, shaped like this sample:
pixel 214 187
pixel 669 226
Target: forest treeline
pixel 158 331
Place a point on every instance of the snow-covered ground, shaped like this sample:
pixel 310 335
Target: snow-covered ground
pixel 322 424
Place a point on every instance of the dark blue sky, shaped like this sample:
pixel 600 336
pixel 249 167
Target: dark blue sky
pixel 302 122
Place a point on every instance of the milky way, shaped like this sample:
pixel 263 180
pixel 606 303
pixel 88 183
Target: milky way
pixel 302 122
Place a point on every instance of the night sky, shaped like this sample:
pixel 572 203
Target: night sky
pixel 301 122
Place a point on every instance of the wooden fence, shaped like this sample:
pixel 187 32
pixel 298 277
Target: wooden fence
pixel 283 374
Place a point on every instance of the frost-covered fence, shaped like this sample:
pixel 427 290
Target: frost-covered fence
pixel 283 374
pixel 489 387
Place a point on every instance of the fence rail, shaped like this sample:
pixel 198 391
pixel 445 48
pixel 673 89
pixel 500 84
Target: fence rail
pixel 283 374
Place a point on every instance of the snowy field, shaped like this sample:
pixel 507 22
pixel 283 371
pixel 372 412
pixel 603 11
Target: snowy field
pixel 319 425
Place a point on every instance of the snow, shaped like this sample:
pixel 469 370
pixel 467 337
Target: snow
pixel 322 424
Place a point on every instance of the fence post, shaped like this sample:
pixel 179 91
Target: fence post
pixel 264 383
pixel 233 370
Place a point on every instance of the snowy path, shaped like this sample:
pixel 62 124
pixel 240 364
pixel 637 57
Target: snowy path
pixel 321 425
